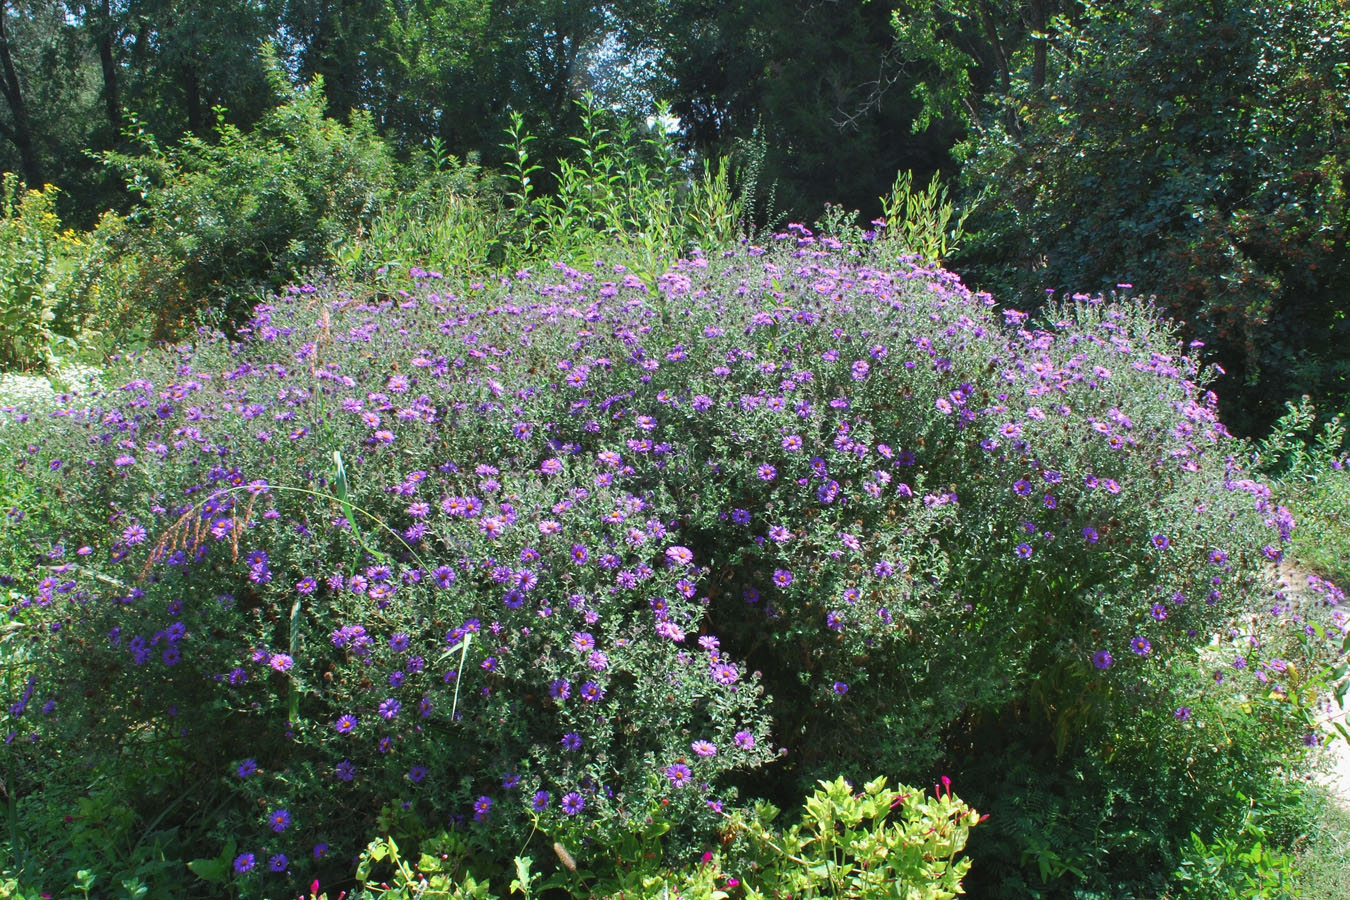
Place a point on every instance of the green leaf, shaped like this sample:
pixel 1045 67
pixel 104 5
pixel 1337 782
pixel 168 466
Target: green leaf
pixel 212 870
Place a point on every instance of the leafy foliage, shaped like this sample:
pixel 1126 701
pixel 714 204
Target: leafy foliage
pixel 627 195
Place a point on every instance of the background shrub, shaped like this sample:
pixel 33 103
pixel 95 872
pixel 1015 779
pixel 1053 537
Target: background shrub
pixel 627 543
pixel 1309 464
pixel 223 220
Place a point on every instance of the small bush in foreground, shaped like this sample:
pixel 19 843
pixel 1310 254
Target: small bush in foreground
pixel 570 549
pixel 877 842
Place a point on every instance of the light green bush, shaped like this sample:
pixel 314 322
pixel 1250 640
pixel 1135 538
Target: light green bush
pixel 30 252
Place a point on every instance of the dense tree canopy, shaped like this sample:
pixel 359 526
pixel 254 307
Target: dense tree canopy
pixel 825 86
pixel 1205 163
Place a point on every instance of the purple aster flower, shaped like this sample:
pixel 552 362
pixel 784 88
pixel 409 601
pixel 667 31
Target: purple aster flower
pixel 571 741
pixel 540 801
pixel 278 863
pixel 766 472
pixel 389 708
pixel 345 724
pixel 782 577
pixel 1161 541
pixel 1183 713
pixel 1090 535
pixel 724 673
pixel 246 768
pixel 591 692
pixel 417 774
pixel 572 803
pixel 745 740
pixel 841 687
pixel 1102 659
pixel 1024 551
pixel 482 807
pixel 679 774
pixel 306 585
pixel 1141 646
pixel 244 862
pixel 703 748
pixel 679 556
pixel 279 819
pixel 1021 488
pixel 345 770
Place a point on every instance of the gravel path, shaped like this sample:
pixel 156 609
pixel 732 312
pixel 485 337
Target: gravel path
pixel 34 391
pixel 1335 774
pixel 1337 778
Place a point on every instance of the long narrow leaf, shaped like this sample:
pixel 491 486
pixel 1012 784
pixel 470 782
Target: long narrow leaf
pixel 463 648
pixel 341 486
pixel 294 650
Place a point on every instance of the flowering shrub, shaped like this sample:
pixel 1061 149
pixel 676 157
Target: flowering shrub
pixel 531 552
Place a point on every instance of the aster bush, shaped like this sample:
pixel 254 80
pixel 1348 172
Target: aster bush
pixel 541 556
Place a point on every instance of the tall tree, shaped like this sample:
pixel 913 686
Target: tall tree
pixel 824 85
pixel 99 19
pixel 190 57
pixel 1206 164
pixel 451 69
pixel 19 129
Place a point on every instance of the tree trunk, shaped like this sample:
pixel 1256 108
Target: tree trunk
pixel 111 96
pixel 996 45
pixel 192 90
pixel 1037 9
pixel 21 135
